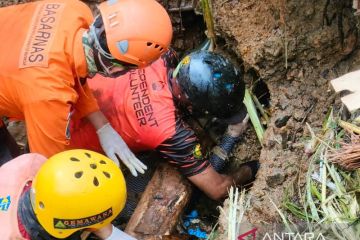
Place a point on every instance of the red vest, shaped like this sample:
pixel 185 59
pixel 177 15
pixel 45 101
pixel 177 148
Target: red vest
pixel 138 104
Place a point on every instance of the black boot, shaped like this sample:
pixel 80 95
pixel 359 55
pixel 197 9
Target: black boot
pixel 8 146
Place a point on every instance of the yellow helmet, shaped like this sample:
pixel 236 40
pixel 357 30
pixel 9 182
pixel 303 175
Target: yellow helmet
pixel 77 189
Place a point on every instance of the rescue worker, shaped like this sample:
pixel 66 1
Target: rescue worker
pixel 146 106
pixel 48 50
pixel 59 197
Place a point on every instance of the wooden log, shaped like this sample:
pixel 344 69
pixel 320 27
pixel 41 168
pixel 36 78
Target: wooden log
pixel 161 205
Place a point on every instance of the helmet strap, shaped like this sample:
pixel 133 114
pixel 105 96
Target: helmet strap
pixel 105 66
pixel 95 33
pixel 97 59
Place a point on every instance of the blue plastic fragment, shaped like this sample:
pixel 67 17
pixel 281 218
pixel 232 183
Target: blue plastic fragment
pixel 197 233
pixel 186 223
pixel 193 214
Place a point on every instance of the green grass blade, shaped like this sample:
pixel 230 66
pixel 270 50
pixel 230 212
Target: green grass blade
pixel 253 116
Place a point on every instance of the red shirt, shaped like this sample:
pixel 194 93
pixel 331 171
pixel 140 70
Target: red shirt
pixel 140 107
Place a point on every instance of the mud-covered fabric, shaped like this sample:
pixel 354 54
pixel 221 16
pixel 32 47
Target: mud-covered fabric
pixel 28 220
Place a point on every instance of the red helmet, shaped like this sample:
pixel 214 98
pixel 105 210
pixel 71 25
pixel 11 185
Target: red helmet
pixel 137 32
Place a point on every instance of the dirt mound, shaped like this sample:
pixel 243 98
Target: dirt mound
pixel 295 47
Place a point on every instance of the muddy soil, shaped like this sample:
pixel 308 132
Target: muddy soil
pixel 295 47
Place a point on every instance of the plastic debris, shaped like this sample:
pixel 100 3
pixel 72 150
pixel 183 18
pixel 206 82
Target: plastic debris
pixel 191 224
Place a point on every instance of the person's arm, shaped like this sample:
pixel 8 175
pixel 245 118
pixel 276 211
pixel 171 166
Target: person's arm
pixel 110 232
pixel 183 150
pixel 97 119
pixel 113 144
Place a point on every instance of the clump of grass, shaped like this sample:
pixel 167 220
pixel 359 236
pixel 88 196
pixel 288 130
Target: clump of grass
pixel 236 205
pixel 330 202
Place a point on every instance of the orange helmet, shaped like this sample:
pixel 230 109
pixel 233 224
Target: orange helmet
pixel 137 32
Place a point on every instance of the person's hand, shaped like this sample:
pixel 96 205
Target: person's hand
pixel 235 130
pixel 115 147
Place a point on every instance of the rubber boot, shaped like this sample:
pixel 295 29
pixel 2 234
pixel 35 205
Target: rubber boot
pixel 8 146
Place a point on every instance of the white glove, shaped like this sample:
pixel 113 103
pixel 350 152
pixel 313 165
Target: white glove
pixel 114 147
pixel 119 235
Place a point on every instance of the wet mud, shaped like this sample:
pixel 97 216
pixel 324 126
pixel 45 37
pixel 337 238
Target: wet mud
pixel 295 47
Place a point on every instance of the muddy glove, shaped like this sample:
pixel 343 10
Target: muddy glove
pixel 115 147
pixel 235 130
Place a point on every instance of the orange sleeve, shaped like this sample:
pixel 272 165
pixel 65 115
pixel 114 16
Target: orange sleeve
pixel 47 125
pixel 86 102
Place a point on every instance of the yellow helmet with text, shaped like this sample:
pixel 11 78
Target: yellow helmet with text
pixel 77 189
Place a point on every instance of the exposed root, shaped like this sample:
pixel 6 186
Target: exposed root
pixel 348 156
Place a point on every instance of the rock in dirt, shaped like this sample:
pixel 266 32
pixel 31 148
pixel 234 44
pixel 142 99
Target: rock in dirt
pixel 281 121
pixel 276 178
